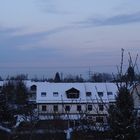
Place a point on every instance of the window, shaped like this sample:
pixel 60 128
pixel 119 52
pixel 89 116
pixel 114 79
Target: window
pixel 89 107
pixel 55 94
pixel 78 107
pixel 44 107
pixel 67 108
pixel 99 119
pixel 43 94
pixel 33 88
pixel 55 108
pixel 73 95
pixel 109 93
pixel 101 107
pixel 88 93
pixel 100 94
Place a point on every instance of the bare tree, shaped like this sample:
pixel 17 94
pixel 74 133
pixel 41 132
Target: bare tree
pixel 121 115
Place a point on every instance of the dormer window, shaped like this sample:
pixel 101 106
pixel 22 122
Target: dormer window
pixel 43 94
pixel 55 94
pixel 109 93
pixel 72 93
pixel 100 94
pixel 88 94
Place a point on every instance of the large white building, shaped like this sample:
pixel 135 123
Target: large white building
pixel 74 100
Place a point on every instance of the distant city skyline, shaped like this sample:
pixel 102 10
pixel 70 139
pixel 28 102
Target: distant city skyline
pixel 43 34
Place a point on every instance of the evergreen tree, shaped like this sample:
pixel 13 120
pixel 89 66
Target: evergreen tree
pixel 121 116
pixel 21 93
pixel 6 100
pixel 57 78
pixel 15 95
pixel 8 91
pixel 15 92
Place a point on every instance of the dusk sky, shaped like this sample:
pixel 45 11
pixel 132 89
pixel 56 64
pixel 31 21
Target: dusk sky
pixel 68 33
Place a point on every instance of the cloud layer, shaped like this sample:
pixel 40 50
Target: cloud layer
pixel 67 33
pixel 114 20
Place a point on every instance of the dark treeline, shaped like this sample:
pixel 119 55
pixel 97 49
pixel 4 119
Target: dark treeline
pixel 14 98
pixel 96 77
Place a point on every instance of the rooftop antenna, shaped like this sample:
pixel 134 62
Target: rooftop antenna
pixel 89 73
pixel 61 76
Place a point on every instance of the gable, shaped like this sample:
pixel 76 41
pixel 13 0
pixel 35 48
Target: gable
pixel 72 93
pixel 73 90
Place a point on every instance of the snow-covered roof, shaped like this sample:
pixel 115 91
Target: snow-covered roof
pixel 56 92
pixel 30 83
pixel 109 91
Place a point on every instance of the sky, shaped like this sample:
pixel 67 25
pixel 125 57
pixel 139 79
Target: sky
pixel 53 35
